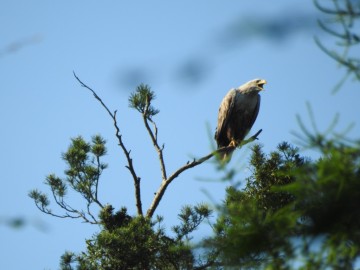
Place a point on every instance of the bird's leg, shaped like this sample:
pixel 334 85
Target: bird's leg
pixel 233 143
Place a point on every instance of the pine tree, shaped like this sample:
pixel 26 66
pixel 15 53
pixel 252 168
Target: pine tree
pixel 125 241
pixel 292 213
pixel 297 213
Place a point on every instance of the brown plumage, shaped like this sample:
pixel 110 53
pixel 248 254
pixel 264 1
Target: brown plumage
pixel 237 114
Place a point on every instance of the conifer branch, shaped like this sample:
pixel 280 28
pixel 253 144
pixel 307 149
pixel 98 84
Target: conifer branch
pixel 69 211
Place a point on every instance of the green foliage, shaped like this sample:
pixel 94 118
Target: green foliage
pixel 135 245
pixel 256 220
pixel 127 242
pixel 341 23
pixel 82 175
pixel 271 171
pixel 141 101
pixel 191 218
pixel 111 221
pixel 291 210
pixel 294 210
pixel 329 196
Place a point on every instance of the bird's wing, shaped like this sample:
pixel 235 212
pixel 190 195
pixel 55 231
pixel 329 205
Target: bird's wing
pixel 225 110
pixel 256 111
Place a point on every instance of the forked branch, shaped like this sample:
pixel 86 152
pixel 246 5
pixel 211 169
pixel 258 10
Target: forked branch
pixel 153 136
pixel 141 101
pixel 118 135
pixel 164 184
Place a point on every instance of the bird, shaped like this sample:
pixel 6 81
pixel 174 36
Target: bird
pixel 237 114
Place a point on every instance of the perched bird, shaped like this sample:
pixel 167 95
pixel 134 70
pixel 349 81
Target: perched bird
pixel 237 114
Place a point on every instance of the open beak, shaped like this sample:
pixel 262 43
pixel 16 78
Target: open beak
pixel 261 84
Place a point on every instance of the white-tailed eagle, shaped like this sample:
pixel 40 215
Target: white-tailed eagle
pixel 237 114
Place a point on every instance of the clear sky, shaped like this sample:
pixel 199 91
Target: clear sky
pixel 191 53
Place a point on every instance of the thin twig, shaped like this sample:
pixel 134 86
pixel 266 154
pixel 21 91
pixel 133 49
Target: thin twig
pixel 99 170
pixel 118 135
pixel 90 214
pixel 47 211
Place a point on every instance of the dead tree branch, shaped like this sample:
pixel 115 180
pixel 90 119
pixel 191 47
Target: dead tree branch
pixel 165 183
pixel 118 135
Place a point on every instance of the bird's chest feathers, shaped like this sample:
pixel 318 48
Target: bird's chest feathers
pixel 245 103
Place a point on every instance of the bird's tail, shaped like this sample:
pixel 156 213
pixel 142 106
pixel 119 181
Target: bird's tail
pixel 224 156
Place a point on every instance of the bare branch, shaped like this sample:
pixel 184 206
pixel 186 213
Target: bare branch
pixel 153 136
pixel 95 95
pixel 118 135
pixel 164 184
pixel 95 197
pixel 48 211
pixel 90 214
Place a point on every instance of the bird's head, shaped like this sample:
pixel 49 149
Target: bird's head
pixel 256 85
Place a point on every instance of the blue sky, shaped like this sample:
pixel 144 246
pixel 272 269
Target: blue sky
pixel 191 54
